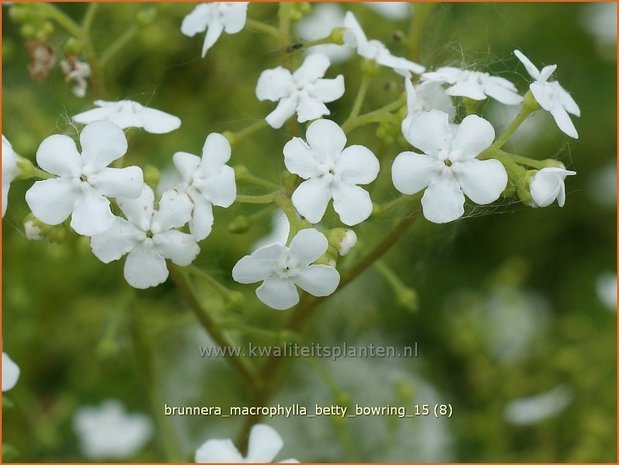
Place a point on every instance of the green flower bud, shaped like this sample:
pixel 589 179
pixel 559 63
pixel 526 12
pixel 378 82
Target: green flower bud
pixel 72 46
pixel 407 298
pixel 370 67
pixel 337 35
pixel 235 300
pixel 146 16
pixel 152 175
pixel 239 225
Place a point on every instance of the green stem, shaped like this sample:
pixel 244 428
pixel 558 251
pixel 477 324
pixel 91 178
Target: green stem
pixel 219 288
pixel 235 137
pixel 256 199
pixel 119 43
pixel 64 20
pixel 263 27
pixel 512 157
pixel 356 108
pixel 422 10
pixel 210 325
pixel 243 175
pixel 525 111
pixel 89 16
pixel 376 116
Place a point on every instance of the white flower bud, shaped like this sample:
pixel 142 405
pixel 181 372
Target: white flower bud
pixel 348 242
pixel 548 185
pixel 33 231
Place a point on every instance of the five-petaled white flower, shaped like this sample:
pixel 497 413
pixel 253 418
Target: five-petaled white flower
pixel 475 85
pixel 9 170
pixel 551 96
pixel 330 172
pixel 217 18
pixel 10 373
pixel 425 97
pixel 130 114
pixel 84 181
pixel 448 167
pixel 376 50
pixel 282 267
pixel 264 444
pixel 548 185
pixel 303 92
pixel 149 237
pixel 207 181
pixel 109 432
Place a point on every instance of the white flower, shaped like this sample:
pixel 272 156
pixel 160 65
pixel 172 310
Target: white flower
pixel 391 10
pixel 130 114
pixel 280 230
pixel 149 237
pixel 10 373
pixel 324 18
pixel 533 409
pixel 108 432
pixel 207 181
pixel 303 92
pixel 551 96
pixel 282 267
pixel 449 168
pixel 217 18
pixel 376 50
pixel 548 185
pixel 475 85
pixel 606 287
pixel 264 444
pixel 84 181
pixel 78 71
pixel 9 171
pixel 425 97
pixel 331 172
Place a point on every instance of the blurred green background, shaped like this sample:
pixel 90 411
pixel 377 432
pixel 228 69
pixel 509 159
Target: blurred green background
pixel 509 304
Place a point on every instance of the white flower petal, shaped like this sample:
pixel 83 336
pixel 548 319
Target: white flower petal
pixel 310 108
pixel 308 245
pixel 139 211
pixel 325 136
pixel 274 84
pixel 9 170
pixel 202 219
pixel 482 181
pixel 120 239
pixel 540 91
pixel 300 159
pixel 145 267
pixel 264 444
pixel 465 88
pixel 257 266
pixel 430 132
pixel 498 90
pixel 318 280
pixel 218 451
pixel 564 122
pixel 412 172
pixel 197 20
pixel 472 137
pixel 159 122
pixel 327 90
pixel 529 66
pixel 235 17
pixel 278 293
pixel 566 100
pixel 89 116
pixel 91 213
pixel 313 68
pixel 354 36
pixel 52 200
pixel 118 182
pixel 548 185
pixel 102 143
pixel 177 246
pixel 443 200
pixel 58 155
pixel 10 373
pixel 216 152
pixel 286 107
pixel 352 203
pixel 187 164
pixel 400 65
pixel 547 71
pixel 215 28
pixel 174 211
pixel 357 165
pixel 311 199
pixel 219 188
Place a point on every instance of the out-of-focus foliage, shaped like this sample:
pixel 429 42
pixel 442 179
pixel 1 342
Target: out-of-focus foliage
pixel 507 304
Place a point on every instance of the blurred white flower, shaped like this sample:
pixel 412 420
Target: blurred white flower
pixel 474 85
pixel 603 185
pixel 330 172
pixel 264 445
pixel 149 237
pixel 448 168
pixel 551 96
pixel 425 97
pixel 281 268
pixel 108 432
pixel 78 71
pixel 533 409
pixel 323 19
pixel 130 114
pixel 84 181
pixel 10 373
pixel 9 171
pixel 303 92
pixel 548 185
pixel 217 18
pixel 206 181
pixel 391 10
pixel 606 287
pixel 600 20
pixel 376 50
pixel 280 229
